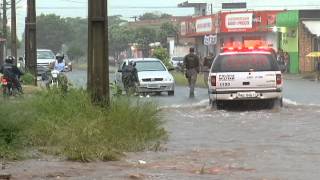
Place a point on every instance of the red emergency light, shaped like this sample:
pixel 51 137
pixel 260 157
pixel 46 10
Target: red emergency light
pixel 245 49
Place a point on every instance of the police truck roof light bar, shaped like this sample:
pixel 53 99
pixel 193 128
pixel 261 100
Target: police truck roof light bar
pixel 244 49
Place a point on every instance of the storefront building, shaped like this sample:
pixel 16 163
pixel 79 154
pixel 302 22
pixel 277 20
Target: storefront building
pixel 204 29
pixel 300 31
pixel 248 28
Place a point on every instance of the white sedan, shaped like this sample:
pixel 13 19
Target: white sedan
pixel 153 76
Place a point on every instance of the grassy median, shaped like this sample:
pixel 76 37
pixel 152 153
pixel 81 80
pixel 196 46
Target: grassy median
pixel 69 125
pixel 181 80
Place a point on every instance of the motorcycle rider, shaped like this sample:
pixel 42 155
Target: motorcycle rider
pixel 59 64
pixel 11 72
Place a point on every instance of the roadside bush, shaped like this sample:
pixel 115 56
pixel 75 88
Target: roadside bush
pixel 27 79
pixel 162 54
pixel 71 126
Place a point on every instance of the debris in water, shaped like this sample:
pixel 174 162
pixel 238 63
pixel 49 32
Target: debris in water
pixel 136 176
pixel 142 162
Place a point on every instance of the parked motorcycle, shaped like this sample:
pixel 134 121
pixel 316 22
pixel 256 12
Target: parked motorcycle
pixel 9 88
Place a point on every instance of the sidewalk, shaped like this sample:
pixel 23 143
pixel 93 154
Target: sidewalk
pixel 305 76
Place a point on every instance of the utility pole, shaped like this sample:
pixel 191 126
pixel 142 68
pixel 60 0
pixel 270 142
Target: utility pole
pixel 5 19
pixel 31 39
pixel 1 45
pixel 13 29
pixel 98 63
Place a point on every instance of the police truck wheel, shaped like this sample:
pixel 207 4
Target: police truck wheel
pixel 214 105
pixel 170 93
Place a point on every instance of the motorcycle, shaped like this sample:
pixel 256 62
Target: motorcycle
pixel 55 78
pixel 9 88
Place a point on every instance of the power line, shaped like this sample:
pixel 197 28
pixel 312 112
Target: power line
pixel 80 2
pixel 175 7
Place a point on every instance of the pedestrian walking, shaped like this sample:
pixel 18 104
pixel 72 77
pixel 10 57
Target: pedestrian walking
pixel 280 59
pixel 191 64
pixel 286 59
pixel 130 78
pixel 206 67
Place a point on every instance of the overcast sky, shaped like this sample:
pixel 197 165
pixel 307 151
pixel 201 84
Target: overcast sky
pixel 129 8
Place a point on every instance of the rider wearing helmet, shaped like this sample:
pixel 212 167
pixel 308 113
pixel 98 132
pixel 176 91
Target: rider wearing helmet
pixel 11 71
pixel 60 64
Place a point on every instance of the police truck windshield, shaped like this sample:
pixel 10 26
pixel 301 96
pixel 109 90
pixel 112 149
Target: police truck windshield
pixel 244 63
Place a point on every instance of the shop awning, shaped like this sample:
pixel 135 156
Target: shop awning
pixel 313 27
pixel 314 54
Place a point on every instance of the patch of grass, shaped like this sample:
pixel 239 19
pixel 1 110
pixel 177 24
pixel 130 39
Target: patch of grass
pixel 27 79
pixel 181 80
pixel 69 125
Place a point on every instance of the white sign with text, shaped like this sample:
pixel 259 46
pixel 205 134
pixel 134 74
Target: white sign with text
pixel 204 25
pixel 237 21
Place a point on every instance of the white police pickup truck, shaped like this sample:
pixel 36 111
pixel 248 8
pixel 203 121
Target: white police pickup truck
pixel 245 74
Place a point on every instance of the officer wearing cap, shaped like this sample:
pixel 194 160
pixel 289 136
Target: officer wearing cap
pixel 192 66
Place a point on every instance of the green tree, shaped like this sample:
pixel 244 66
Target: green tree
pixel 149 16
pixel 165 15
pixel 77 46
pixel 167 29
pixel 52 32
pixel 163 55
pixel 119 35
pixel 75 53
pixel 144 36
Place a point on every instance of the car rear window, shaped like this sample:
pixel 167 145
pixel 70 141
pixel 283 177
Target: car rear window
pixel 245 63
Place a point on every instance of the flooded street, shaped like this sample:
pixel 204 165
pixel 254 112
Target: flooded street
pixel 240 143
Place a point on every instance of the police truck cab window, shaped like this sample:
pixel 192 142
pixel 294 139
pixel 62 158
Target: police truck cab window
pixel 245 63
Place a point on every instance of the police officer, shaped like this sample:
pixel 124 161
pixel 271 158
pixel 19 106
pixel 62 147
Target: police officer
pixel 206 67
pixel 130 78
pixel 191 64
pixel 12 72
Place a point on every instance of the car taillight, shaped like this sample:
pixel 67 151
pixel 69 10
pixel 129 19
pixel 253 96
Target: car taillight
pixel 213 81
pixel 279 79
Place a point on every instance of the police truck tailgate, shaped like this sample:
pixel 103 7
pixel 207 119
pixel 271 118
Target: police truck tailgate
pixel 246 80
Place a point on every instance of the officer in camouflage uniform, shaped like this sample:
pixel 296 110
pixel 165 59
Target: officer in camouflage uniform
pixel 130 78
pixel 191 64
pixel 206 67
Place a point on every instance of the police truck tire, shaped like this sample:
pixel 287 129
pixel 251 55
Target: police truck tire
pixel 214 105
pixel 277 103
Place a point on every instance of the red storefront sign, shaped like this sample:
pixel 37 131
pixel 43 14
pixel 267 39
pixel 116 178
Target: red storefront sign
pixel 249 21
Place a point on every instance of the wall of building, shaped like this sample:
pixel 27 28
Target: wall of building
pixel 290 43
pixel 306 45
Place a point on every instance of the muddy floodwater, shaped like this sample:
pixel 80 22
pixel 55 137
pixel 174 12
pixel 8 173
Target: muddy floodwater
pixel 237 143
